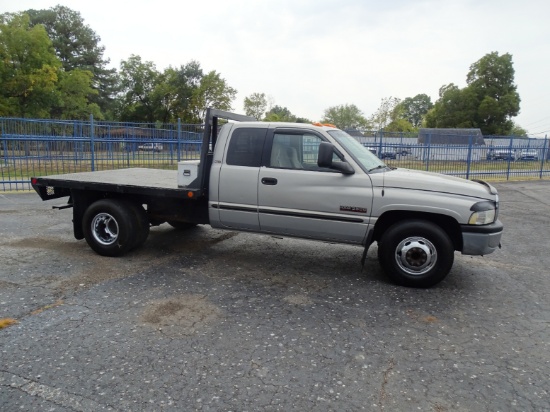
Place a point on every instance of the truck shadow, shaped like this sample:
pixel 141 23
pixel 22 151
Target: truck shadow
pixel 264 257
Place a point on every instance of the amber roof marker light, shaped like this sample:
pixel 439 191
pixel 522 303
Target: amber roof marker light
pixel 323 124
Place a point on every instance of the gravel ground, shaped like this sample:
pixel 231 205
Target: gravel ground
pixel 225 321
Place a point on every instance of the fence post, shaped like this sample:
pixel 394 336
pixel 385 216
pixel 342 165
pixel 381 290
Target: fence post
pixel 4 145
pixel 469 158
pixel 92 145
pixel 543 156
pixel 427 152
pixel 179 140
pixel 510 157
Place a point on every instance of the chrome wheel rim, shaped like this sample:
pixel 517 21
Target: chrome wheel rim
pixel 416 255
pixel 105 229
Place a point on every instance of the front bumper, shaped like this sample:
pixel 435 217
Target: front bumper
pixel 481 240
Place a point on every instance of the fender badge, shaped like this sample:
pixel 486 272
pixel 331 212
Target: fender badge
pixel 353 209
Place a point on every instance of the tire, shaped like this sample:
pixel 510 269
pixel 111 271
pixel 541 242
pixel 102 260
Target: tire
pixel 181 225
pixel 416 253
pixel 111 227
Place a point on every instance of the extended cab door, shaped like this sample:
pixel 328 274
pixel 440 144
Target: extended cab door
pixel 236 180
pixel 298 198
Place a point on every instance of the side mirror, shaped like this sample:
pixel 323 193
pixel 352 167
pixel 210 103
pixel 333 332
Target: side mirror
pixel 324 159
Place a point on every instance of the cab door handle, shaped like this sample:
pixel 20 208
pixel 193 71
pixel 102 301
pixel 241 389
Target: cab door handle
pixel 271 181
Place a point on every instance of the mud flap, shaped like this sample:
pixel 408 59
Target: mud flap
pixel 364 257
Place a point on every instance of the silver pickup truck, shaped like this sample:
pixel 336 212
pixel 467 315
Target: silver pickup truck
pixel 309 181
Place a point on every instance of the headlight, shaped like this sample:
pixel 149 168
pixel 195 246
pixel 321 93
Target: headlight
pixel 483 213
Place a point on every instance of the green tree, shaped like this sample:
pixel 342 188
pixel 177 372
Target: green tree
pixel 383 115
pixel 400 125
pixel 488 102
pixel 492 80
pixel 455 108
pixel 182 83
pixel 78 47
pixel 347 116
pixel 138 81
pixel 177 93
pixel 213 91
pixel 255 105
pixel 28 68
pixel 279 114
pixel 413 109
pixel 74 89
pixel 398 121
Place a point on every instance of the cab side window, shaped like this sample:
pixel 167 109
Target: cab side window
pixel 285 152
pixel 296 151
pixel 245 147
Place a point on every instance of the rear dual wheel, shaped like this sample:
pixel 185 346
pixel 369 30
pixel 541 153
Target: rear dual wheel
pixel 113 227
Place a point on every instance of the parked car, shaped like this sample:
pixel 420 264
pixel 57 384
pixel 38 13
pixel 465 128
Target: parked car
pixel 528 154
pixel 150 147
pixel 501 154
pixel 404 151
pixel 387 154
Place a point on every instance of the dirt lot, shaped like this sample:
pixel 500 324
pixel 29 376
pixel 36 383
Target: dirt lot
pixel 212 320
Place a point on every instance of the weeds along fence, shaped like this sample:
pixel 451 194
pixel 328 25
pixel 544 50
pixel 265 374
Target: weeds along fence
pixel 33 148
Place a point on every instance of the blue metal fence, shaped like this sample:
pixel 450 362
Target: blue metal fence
pixel 497 158
pixel 45 147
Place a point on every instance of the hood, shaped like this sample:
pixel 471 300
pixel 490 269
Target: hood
pixel 432 182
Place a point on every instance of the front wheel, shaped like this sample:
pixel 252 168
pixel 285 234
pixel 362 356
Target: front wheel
pixel 416 253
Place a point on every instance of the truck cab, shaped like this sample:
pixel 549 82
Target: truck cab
pixel 317 182
pixel 266 178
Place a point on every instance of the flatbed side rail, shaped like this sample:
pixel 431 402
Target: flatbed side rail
pixel 117 183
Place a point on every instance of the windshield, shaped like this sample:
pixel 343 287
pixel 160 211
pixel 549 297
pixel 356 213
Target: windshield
pixel 358 152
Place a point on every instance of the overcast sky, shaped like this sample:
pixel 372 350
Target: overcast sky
pixel 309 55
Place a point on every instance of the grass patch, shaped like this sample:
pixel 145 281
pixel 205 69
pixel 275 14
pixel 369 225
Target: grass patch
pixel 5 322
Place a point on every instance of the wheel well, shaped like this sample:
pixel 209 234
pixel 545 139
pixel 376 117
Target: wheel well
pixel 447 223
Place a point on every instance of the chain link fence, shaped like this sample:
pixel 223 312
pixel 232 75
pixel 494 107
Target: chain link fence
pixel 33 148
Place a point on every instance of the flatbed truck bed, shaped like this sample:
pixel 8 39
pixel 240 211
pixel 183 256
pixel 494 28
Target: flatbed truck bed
pixel 135 181
pixel 152 197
